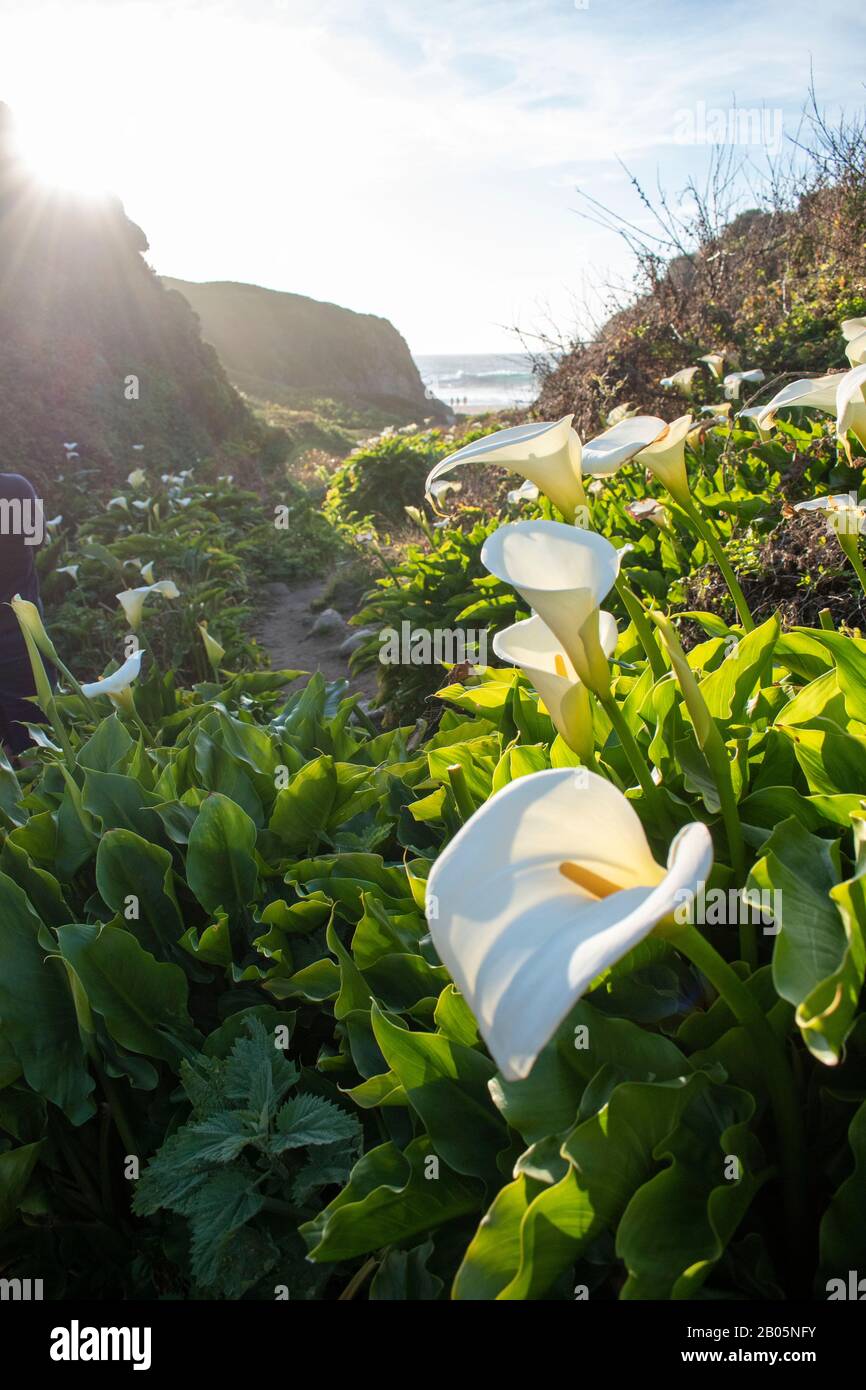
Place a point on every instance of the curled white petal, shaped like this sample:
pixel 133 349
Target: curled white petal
pixel 548 454
pixel 817 392
pixel 118 681
pixel 522 941
pixel 608 451
pixel 562 572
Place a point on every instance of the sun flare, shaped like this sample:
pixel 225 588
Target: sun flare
pixel 64 155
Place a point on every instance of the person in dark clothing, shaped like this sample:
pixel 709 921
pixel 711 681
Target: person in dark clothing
pixel 21 531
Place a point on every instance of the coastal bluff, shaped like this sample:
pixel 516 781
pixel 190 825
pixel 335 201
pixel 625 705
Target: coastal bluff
pixel 275 345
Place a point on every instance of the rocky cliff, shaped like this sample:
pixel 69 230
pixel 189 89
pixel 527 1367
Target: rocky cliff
pixel 93 349
pixel 274 345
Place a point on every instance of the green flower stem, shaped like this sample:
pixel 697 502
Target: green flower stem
pixel 646 636
pixel 639 765
pixel 708 535
pixel 770 1054
pixel 715 751
pixel 825 618
pixel 716 755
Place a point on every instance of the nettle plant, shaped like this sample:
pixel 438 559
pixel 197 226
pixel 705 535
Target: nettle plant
pixel 561 1000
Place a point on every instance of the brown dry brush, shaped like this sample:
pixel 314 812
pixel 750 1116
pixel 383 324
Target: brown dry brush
pixel 766 285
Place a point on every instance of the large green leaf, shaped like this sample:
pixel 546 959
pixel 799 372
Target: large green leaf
pixel 727 689
pixel 820 953
pixel 843 1227
pixel 220 862
pixel 391 1196
pixel 38 1021
pixel 447 1084
pixel 143 1001
pixel 135 879
pixel 16 1166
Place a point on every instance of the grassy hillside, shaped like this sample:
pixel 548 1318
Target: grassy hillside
pixel 287 348
pixel 766 287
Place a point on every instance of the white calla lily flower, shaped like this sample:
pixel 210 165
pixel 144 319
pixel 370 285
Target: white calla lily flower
pixel 845 515
pixel 71 570
pixel 648 509
pixel 132 600
pixel 716 363
pixel 118 682
pixel 438 491
pixel 753 414
pixel 119 502
pixel 527 492
pixel 548 884
pixel 683 380
pixel 548 455
pixel 842 394
pixel 607 452
pixel 851 407
pixel 734 381
pixel 665 457
pixel 819 393
pixel 146 572
pixel 854 331
pixel 137 478
pixel 562 573
pixel 534 648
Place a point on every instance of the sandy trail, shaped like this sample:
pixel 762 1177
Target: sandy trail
pixel 284 630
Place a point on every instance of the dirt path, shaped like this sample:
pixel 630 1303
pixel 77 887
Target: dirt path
pixel 286 631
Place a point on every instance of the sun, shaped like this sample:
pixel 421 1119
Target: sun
pixel 64 153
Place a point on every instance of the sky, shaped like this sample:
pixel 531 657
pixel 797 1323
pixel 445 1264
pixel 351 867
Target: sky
pixel 418 159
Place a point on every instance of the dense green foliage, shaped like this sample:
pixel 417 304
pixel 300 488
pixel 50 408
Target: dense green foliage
pixel 226 890
pixel 217 542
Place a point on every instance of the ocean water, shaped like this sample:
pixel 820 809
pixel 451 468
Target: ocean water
pixel 474 382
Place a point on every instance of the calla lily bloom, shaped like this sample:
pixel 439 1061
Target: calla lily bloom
pixel 440 490
pixel 846 518
pixel 563 573
pixel 851 407
pixel 533 647
pixel 547 454
pixel 845 515
pixel 839 393
pixel 666 458
pixel 146 572
pixel 71 570
pixel 550 883
pixel 137 478
pixel 527 492
pixel 607 452
pixel 132 600
pixel 648 509
pixel 854 331
pixel 819 393
pixel 683 380
pixel 118 682
pixel 213 650
pixel 753 414
pixel 716 363
pixel 734 380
